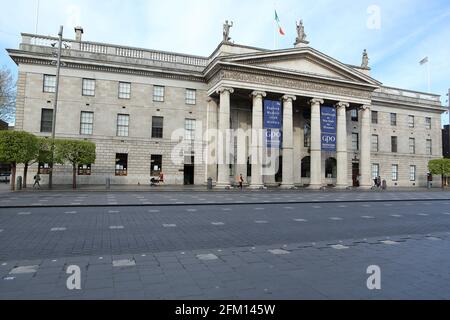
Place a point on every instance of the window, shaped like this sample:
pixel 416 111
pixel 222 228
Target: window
pixel 49 83
pixel 123 121
pixel 393 119
pixel 411 121
pixel 395 172
pixel 375 143
pixel 124 90
pixel 355 141
pixel 394 144
pixel 191 96
pixel 429 148
pixel 155 165
pixel 306 167
pixel 189 128
pixel 307 134
pixel 412 145
pixel 412 173
pixel 330 168
pixel 354 115
pixel 158 93
pixel 157 127
pixel 46 120
pixel 428 123
pixel 89 87
pixel 84 170
pixel 374 117
pixel 121 164
pixel 375 170
pixel 87 123
pixel 44 168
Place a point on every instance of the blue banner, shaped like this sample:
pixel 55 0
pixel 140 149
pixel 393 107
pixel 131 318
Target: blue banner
pixel 329 129
pixel 273 124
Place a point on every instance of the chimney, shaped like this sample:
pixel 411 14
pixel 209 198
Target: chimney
pixel 78 33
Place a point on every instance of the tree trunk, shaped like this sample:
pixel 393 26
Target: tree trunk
pixel 25 173
pixel 13 177
pixel 74 177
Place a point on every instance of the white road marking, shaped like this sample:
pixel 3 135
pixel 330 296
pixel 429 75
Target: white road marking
pixel 339 247
pixel 226 209
pixel 342 206
pixel 366 205
pixel 217 223
pixel 368 217
pixel 279 252
pixel 396 215
pixel 58 229
pixel 317 207
pixel 261 222
pixel 288 208
pixel 389 242
pixel 24 270
pixel 113 211
pixel 434 239
pixel 169 225
pixel 70 212
pixel 336 219
pixel 207 257
pixel 300 220
pixel 446 213
pixel 423 214
pixel 24 213
pixel 116 227
pixel 123 263
pixel 258 209
pixel 191 210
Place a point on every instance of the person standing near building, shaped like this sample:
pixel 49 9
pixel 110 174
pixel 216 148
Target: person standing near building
pixel 241 182
pixel 37 178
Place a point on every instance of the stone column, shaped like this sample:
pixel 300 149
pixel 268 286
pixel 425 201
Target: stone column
pixel 288 142
pixel 211 148
pixel 257 140
pixel 316 146
pixel 365 158
pixel 341 148
pixel 223 176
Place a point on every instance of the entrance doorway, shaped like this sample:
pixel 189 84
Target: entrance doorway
pixel 189 170
pixel 355 174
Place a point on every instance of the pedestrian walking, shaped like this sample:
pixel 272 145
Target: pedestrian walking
pixel 241 182
pixel 37 178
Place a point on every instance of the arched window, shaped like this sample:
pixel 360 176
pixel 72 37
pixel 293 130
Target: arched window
pixel 306 167
pixel 330 168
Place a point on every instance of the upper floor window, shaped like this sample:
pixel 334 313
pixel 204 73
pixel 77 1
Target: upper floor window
pixel 374 117
pixel 395 172
pixel 158 93
pixel 307 134
pixel 354 115
pixel 189 128
pixel 428 123
pixel 394 144
pixel 46 120
pixel 89 87
pixel 412 173
pixel 49 83
pixel 429 147
pixel 123 121
pixel 412 145
pixel 87 123
pixel 411 121
pixel 375 143
pixel 124 90
pixel 393 119
pixel 191 96
pixel 157 127
pixel 355 142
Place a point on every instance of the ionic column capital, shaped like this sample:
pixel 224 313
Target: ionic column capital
pixel 289 98
pixel 343 105
pixel 316 101
pixel 366 107
pixel 211 99
pixel 224 89
pixel 259 94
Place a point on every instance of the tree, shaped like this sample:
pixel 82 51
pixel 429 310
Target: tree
pixel 76 153
pixel 440 167
pixel 16 147
pixel 40 152
pixel 7 95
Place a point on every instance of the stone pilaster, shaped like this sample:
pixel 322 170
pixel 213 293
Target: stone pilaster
pixel 211 147
pixel 341 147
pixel 223 176
pixel 316 147
pixel 257 140
pixel 288 142
pixel 365 162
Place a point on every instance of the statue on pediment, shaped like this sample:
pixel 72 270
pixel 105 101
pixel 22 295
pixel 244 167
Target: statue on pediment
pixel 226 31
pixel 301 35
pixel 365 60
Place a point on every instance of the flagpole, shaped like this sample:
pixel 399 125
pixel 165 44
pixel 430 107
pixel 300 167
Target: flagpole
pixel 37 17
pixel 429 76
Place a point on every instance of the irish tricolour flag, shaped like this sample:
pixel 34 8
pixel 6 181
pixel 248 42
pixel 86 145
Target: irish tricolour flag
pixel 277 20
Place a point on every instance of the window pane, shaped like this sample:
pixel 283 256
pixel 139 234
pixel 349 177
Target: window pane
pixel 412 173
pixel 393 144
pixel 411 121
pixel 155 165
pixel 88 87
pixel 428 123
pixel 355 141
pixel 191 96
pixel 124 90
pixel 375 170
pixel 121 164
pixel 393 119
pixel 374 117
pixel 157 127
pixel 374 143
pixel 429 148
pixel 189 129
pixel 46 120
pixel 158 93
pixel 122 125
pixel 87 123
pixel 412 145
pixel 394 172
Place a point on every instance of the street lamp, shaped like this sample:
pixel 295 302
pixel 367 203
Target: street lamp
pixel 55 105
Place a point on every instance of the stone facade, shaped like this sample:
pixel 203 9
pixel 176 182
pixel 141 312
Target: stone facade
pixel 230 87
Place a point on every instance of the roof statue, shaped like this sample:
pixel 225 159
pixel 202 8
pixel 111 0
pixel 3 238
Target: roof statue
pixel 226 31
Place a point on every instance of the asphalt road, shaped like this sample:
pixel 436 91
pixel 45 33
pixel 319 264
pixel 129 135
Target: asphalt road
pixel 394 229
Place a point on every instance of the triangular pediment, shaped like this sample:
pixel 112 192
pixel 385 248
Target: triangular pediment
pixel 303 61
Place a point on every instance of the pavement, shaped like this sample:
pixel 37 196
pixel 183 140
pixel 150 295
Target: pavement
pixel 225 245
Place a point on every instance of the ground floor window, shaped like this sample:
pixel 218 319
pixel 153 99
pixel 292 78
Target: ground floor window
pixel 306 167
pixel 155 165
pixel 330 168
pixel 412 173
pixel 44 168
pixel 84 170
pixel 394 172
pixel 375 170
pixel 121 164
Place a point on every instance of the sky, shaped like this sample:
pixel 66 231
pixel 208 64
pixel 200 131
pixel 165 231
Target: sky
pixel 396 33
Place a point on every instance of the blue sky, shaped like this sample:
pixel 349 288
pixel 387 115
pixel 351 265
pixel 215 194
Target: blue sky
pixel 409 29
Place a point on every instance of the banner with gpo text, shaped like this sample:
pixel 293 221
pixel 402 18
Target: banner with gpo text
pixel 329 129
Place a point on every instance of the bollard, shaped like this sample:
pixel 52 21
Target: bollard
pixel 19 183
pixel 210 184
pixel 108 183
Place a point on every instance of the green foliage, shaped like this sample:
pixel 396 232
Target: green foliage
pixel 74 152
pixel 18 147
pixel 439 167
